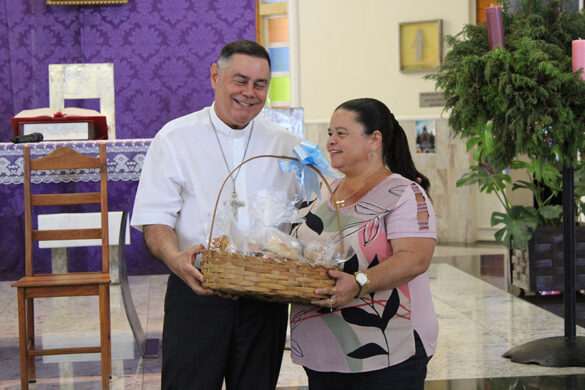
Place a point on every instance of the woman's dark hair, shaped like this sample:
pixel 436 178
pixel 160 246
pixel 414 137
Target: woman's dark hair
pixel 375 115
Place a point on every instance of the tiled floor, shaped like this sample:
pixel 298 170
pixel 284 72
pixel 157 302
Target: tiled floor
pixel 478 319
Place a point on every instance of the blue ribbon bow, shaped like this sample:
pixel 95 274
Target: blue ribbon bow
pixel 308 153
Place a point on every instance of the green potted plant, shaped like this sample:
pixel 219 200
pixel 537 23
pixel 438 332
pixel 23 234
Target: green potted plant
pixel 541 178
pixel 520 107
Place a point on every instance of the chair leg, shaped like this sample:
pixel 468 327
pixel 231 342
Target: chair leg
pixel 30 335
pixel 22 335
pixel 105 335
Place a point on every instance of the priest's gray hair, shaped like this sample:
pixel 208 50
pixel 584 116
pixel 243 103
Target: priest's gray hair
pixel 241 46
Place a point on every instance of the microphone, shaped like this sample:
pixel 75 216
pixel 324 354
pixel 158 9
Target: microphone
pixel 32 137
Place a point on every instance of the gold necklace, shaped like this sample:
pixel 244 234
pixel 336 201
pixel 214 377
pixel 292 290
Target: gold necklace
pixel 341 203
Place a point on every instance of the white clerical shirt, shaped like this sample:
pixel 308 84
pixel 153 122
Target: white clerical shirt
pixel 184 169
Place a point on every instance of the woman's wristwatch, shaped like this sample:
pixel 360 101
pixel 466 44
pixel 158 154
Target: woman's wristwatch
pixel 363 281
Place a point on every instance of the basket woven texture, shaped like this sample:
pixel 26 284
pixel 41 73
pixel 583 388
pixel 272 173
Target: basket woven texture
pixel 269 279
pixel 266 279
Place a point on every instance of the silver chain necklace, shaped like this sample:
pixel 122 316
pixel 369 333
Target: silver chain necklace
pixel 235 202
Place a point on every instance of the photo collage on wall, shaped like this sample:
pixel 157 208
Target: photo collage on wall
pixel 425 136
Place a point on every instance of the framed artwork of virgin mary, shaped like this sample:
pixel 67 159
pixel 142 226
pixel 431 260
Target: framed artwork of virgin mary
pixel 420 45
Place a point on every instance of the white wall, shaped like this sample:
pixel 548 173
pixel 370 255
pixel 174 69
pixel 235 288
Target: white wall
pixel 349 49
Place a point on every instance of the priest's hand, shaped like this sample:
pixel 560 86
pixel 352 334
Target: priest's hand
pixel 184 268
pixel 162 242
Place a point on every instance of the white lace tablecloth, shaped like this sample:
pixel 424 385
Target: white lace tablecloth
pixel 125 160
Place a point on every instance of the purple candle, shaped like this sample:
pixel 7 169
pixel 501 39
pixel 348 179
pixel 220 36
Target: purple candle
pixel 495 26
pixel 579 56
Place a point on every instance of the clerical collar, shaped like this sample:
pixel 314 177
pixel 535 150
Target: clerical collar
pixel 221 127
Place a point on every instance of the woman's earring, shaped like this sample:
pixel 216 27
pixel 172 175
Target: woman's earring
pixel 371 155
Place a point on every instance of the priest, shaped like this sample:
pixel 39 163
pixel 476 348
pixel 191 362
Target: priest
pixel 209 339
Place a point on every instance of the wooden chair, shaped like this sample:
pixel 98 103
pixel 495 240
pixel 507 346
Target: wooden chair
pixel 32 285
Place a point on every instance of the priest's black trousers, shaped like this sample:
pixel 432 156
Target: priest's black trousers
pixel 207 339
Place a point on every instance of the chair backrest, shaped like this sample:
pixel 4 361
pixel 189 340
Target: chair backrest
pixel 65 158
pixel 84 81
pixel 84 220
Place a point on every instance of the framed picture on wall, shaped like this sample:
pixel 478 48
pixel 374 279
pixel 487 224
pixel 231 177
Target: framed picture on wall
pixel 86 2
pixel 421 47
pixel 426 132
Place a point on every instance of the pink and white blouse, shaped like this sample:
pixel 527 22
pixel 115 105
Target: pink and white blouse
pixel 377 330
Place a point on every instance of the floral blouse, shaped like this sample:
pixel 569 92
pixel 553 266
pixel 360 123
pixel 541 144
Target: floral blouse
pixel 377 330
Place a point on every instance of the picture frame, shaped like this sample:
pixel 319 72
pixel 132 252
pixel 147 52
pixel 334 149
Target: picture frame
pixel 420 45
pixel 86 2
pixel 425 133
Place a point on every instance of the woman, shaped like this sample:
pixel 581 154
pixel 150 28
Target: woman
pixel 377 329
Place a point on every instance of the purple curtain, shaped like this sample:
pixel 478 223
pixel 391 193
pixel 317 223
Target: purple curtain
pixel 161 50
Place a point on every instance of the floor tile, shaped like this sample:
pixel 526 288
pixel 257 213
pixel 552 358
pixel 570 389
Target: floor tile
pixel 479 321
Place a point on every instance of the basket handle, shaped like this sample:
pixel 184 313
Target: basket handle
pixel 281 157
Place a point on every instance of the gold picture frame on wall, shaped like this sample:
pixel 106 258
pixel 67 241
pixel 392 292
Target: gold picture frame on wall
pixel 421 45
pixel 86 2
pixel 480 6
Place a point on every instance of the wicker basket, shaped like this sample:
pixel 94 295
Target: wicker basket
pixel 269 279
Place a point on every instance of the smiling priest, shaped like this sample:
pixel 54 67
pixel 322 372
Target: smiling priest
pixel 207 338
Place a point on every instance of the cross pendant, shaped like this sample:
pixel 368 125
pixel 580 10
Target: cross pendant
pixel 236 204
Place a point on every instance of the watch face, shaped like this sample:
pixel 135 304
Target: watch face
pixel 361 278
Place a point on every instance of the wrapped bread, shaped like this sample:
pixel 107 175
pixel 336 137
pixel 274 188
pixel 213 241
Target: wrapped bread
pixel 288 248
pixel 220 243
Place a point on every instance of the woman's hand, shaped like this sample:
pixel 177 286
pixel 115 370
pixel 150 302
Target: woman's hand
pixel 344 291
pixel 411 257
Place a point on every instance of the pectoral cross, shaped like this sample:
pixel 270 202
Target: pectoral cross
pixel 236 204
pixel 419 42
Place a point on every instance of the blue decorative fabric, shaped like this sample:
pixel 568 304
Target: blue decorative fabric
pixel 308 153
